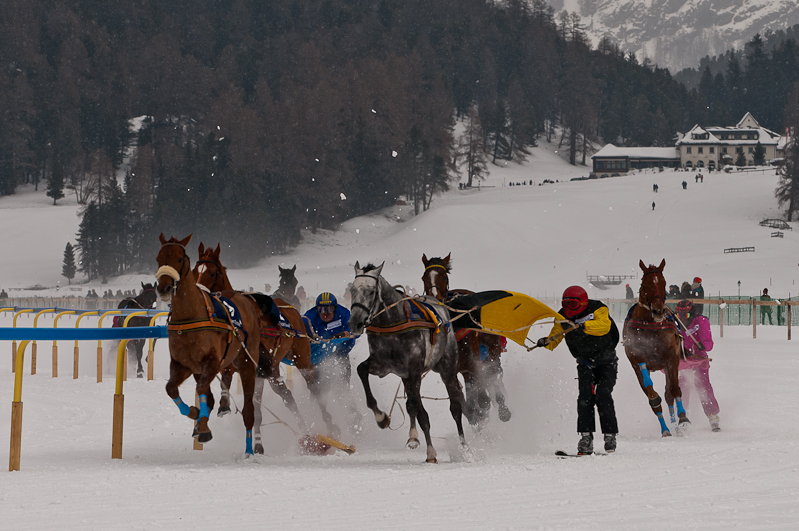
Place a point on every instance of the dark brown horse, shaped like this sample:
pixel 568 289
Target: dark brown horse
pixel 287 286
pixel 277 343
pixel 143 301
pixel 201 345
pixel 651 341
pixel 478 353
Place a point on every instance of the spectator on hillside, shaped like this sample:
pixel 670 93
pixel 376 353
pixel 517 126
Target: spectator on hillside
pixel 698 292
pixel 674 291
pixel 653 205
pixel 685 291
pixel 3 294
pixel 629 292
pixel 684 185
pixel 765 311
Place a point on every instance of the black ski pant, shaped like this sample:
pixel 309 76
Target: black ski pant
pixel 596 384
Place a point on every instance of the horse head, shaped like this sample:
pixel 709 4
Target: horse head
pixel 209 271
pixel 147 297
pixel 652 295
pixel 173 264
pixel 288 282
pixel 365 293
pixel 436 276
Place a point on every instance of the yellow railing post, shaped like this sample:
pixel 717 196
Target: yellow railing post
pixel 77 349
pixel 34 347
pixel 15 450
pixel 119 404
pixel 125 325
pixel 55 343
pixel 14 343
pixel 150 350
pixel 100 344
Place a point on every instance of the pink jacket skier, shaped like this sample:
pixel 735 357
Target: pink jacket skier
pixel 697 342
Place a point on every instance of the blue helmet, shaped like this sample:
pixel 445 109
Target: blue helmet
pixel 326 299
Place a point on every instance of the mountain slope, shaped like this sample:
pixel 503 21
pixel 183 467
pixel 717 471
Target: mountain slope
pixel 677 33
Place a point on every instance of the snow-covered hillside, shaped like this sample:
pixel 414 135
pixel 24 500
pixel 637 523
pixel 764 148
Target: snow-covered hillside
pixel 676 33
pixel 530 238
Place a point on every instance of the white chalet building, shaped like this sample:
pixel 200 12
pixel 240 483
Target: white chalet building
pixel 715 147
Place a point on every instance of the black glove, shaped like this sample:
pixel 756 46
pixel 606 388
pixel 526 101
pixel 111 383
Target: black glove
pixel 580 326
pixel 701 345
pixel 544 341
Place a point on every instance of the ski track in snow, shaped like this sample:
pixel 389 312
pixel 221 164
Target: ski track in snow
pixel 521 239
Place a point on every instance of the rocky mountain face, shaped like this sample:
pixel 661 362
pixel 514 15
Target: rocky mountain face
pixel 677 33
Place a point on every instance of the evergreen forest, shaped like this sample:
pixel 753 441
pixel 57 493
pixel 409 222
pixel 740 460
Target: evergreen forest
pixel 258 119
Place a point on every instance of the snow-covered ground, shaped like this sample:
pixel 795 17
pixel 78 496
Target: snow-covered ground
pixel 532 239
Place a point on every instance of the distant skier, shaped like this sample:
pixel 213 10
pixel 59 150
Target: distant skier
pixel 684 185
pixel 653 205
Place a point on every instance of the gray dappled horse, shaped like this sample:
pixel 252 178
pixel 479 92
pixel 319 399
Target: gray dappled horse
pixel 409 354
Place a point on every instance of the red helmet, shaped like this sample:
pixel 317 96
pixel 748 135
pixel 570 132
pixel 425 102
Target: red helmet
pixel 575 300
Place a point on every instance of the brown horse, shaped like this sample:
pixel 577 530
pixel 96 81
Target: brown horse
pixel 482 374
pixel 651 343
pixel 202 345
pixel 287 286
pixel 277 344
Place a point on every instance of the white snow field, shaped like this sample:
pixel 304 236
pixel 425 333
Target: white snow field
pixel 531 239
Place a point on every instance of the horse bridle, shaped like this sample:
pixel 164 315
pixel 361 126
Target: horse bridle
pixel 215 275
pixel 648 303
pixel 169 270
pixel 378 296
pixel 446 277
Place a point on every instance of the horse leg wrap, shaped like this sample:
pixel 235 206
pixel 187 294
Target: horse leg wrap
pixel 203 406
pixel 672 415
pixel 248 442
pixel 182 406
pixel 680 409
pixel 664 430
pixel 655 402
pixel 645 374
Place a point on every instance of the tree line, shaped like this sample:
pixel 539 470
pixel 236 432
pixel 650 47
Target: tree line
pixel 256 120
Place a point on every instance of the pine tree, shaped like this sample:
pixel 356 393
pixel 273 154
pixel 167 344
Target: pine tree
pixel 740 160
pixel 55 182
pixel 787 192
pixel 760 154
pixel 471 148
pixel 68 269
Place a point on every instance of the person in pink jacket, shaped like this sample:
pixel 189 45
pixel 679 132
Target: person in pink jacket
pixel 697 342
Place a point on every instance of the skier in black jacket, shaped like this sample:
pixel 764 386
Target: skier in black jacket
pixel 593 344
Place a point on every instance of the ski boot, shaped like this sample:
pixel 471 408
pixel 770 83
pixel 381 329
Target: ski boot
pixel 610 442
pixel 586 444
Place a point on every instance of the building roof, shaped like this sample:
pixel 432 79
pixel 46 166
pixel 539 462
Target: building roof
pixel 660 153
pixel 715 134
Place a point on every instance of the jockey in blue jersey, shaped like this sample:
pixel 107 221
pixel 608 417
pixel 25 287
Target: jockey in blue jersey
pixel 330 320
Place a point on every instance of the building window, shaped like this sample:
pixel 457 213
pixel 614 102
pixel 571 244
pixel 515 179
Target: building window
pixel 688 150
pixel 700 149
pixel 700 164
pixel 689 164
pixel 751 150
pixel 739 149
pixel 723 150
pixel 712 149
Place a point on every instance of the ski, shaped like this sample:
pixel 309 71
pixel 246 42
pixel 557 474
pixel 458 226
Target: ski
pixel 562 454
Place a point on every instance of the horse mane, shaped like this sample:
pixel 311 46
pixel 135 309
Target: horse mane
pixel 440 262
pixel 369 267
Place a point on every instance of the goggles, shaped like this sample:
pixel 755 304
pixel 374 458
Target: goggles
pixel 571 304
pixel 326 309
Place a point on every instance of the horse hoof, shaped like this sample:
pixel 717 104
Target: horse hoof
pixel 685 422
pixel 666 433
pixel 504 413
pixel 222 411
pixel 413 443
pixel 195 432
pixel 259 448
pixel 139 374
pixel 432 460
pixel 384 423
pixel 204 437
